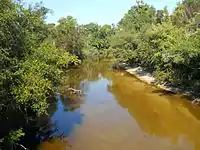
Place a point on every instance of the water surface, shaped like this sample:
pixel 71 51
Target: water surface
pixel 119 112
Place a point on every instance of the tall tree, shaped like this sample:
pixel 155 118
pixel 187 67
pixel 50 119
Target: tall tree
pixel 69 35
pixel 139 16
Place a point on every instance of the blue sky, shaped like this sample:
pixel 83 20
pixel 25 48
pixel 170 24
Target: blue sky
pixel 98 11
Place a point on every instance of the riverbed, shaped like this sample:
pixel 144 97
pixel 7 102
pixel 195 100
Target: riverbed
pixel 119 112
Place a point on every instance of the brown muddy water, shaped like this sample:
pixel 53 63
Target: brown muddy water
pixel 118 112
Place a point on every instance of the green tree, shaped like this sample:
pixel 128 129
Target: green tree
pixel 69 36
pixel 138 17
pixel 30 68
pixel 98 38
pixel 169 47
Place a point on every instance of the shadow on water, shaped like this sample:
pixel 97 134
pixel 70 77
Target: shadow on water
pixel 64 116
pixel 158 112
pixel 120 112
pixel 67 115
pixel 193 109
pixel 170 93
pixel 64 113
pixel 163 92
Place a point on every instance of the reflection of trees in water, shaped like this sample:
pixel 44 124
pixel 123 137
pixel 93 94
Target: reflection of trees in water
pixel 42 129
pixel 34 127
pixel 84 86
pixel 77 78
pixel 71 103
pixel 166 117
pixel 54 144
pixel 39 129
pixel 66 116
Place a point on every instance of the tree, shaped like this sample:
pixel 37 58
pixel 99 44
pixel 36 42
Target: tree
pixel 98 38
pixel 30 68
pixel 185 12
pixel 69 36
pixel 168 47
pixel 138 17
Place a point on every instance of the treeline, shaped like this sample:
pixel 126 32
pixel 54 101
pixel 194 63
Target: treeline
pixel 34 55
pixel 166 44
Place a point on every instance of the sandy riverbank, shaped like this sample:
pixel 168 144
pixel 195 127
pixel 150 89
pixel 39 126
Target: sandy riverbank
pixel 146 77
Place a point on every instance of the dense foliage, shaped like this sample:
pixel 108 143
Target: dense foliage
pixel 30 68
pixel 34 54
pixel 97 41
pixel 167 45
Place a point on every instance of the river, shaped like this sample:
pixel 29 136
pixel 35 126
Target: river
pixel 119 112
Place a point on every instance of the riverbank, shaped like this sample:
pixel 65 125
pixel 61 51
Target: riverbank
pixel 111 93
pixel 148 78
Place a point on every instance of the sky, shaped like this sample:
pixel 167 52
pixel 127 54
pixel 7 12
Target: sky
pixel 97 11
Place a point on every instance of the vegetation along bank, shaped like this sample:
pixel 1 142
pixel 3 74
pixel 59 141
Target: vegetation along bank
pixel 34 55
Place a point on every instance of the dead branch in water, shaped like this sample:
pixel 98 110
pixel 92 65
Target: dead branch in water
pixel 22 146
pixel 75 91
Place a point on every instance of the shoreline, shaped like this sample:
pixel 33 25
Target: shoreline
pixel 148 78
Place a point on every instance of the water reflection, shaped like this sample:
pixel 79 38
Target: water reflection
pixel 67 114
pixel 88 71
pixel 65 118
pixel 161 116
pixel 119 112
pixel 54 144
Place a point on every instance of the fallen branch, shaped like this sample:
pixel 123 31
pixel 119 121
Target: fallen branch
pixel 75 91
pixel 22 146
